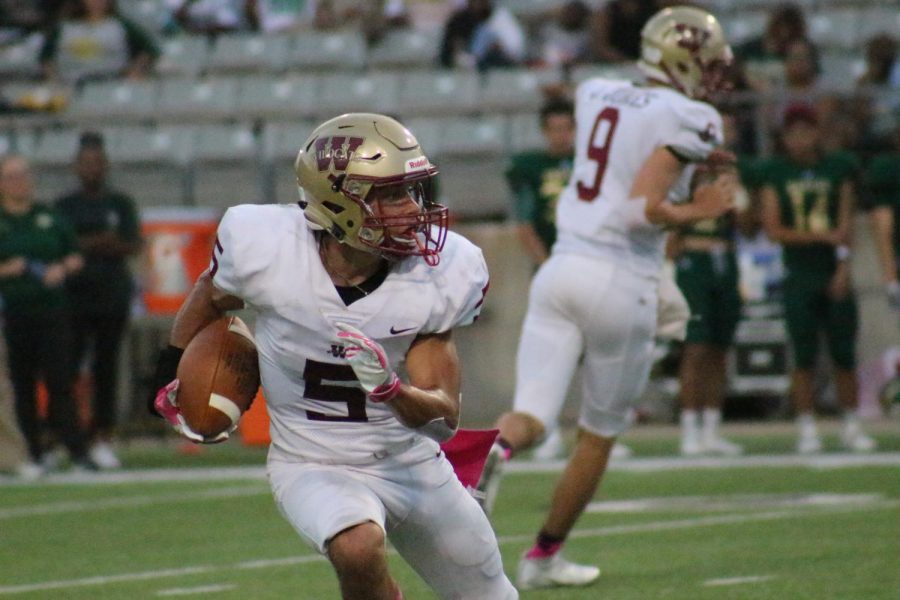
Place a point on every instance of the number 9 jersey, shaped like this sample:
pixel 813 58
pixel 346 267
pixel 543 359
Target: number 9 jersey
pixel 619 125
pixel 268 256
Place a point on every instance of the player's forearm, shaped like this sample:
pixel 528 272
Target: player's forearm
pixel 416 407
pixel 883 227
pixel 198 311
pixel 673 215
pixel 533 244
pixel 790 237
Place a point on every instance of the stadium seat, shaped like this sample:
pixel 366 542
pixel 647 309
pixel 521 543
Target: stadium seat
pixel 184 55
pixel 877 20
pixel 840 70
pixel 439 92
pixel 345 92
pixel 133 99
pixel 225 166
pixel 248 52
pixel 201 98
pixel 525 133
pixel 334 51
pixel 274 96
pixel 405 48
pixel 741 26
pixel 471 136
pixel 517 89
pixel 835 28
pixel 20 60
pixel 584 72
pixel 280 143
pixel 152 15
pixel 151 163
pixel 56 147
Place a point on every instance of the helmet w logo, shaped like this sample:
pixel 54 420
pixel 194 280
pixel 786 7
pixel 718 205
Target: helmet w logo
pixel 691 38
pixel 336 150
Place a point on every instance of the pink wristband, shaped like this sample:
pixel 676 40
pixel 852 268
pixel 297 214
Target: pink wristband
pixel 386 391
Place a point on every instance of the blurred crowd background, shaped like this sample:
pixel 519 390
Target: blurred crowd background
pixel 203 104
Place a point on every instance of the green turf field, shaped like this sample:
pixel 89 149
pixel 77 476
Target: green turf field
pixel 665 530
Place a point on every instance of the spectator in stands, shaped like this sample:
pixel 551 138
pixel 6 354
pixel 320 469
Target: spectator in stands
pixel 807 202
pixel 765 55
pixel 536 177
pixel 93 41
pixel 565 38
pixel 37 254
pixel 883 180
pixel 213 17
pixel 617 29
pixel 875 112
pixel 707 274
pixel 20 18
pixel 107 229
pixel 483 36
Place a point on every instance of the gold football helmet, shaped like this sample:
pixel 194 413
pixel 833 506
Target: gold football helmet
pixel 347 158
pixel 685 48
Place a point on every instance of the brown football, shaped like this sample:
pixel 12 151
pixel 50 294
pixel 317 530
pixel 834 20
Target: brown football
pixel 219 376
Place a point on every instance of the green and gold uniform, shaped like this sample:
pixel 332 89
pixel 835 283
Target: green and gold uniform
pixel 883 179
pixel 38 326
pixel 42 237
pixel 808 200
pixel 709 279
pixel 536 178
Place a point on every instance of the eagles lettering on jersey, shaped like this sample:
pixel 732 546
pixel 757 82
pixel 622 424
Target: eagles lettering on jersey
pixel 619 125
pixel 268 256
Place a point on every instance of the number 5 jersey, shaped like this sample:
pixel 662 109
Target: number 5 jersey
pixel 619 125
pixel 268 256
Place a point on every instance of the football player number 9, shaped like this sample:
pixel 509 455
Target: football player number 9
pixel 598 151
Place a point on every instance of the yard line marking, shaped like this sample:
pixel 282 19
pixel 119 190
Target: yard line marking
pixel 728 502
pixel 633 465
pixel 53 508
pixel 200 589
pixel 737 580
pixel 512 539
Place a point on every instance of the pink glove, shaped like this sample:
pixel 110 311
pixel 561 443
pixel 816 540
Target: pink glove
pixel 370 364
pixel 166 405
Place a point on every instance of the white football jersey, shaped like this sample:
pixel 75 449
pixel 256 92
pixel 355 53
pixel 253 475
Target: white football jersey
pixel 619 125
pixel 268 256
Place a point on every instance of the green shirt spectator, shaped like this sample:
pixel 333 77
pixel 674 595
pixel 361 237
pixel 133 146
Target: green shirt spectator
pixel 42 238
pixel 93 40
pixel 536 178
pixel 883 179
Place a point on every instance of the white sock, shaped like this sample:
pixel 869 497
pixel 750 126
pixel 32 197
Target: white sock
pixel 806 423
pixel 711 419
pixel 851 421
pixel 690 423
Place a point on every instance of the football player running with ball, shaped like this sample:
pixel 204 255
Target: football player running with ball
pixel 360 277
pixel 597 294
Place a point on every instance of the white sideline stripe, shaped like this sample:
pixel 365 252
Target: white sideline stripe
pixel 637 465
pixel 737 580
pixel 53 508
pixel 641 465
pixel 728 502
pixel 200 589
pixel 513 539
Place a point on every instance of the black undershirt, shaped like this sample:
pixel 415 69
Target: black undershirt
pixel 351 293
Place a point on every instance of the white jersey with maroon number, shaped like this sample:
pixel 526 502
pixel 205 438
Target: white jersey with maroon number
pixel 268 256
pixel 619 125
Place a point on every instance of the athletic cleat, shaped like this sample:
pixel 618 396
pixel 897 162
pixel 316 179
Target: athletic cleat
pixel 29 471
pixel 104 457
pixel 485 492
pixel 691 446
pixel 536 573
pixel 809 444
pixel 855 440
pixel 718 445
